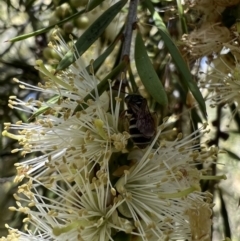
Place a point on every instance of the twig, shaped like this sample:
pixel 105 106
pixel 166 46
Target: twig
pixel 127 40
pixel 130 25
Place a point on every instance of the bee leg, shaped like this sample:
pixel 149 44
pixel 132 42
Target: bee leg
pixel 156 119
pixel 123 124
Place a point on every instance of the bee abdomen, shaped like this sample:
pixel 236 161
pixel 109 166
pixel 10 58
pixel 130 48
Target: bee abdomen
pixel 140 140
pixel 137 137
pixel 141 126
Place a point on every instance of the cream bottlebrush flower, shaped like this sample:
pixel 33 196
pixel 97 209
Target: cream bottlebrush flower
pixel 88 136
pixel 223 83
pixel 83 210
pixel 207 10
pixel 16 235
pixel 162 188
pixel 157 197
pixel 207 40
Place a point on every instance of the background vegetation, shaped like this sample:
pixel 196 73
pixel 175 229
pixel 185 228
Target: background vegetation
pixel 180 38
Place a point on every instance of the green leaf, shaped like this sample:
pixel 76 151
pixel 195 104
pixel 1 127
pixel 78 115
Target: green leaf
pixel 41 110
pixel 147 73
pixel 91 34
pixel 187 79
pixel 43 30
pixel 132 80
pixel 92 4
pixel 182 16
pixel 232 154
pixel 98 62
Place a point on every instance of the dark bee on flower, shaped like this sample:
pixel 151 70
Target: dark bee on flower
pixel 142 125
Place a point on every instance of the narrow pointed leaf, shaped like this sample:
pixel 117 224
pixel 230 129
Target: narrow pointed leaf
pixel 232 154
pixel 92 4
pixel 99 61
pixel 182 16
pixel 132 80
pixel 44 30
pixel 187 79
pixel 225 215
pixel 41 110
pixel 147 73
pixel 92 34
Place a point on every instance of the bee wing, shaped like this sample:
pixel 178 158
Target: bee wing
pixel 135 109
pixel 145 122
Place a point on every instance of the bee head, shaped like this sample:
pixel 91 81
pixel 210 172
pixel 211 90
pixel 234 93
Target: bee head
pixel 134 99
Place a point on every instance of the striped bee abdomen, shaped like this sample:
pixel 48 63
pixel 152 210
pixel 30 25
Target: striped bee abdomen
pixel 137 137
pixel 141 123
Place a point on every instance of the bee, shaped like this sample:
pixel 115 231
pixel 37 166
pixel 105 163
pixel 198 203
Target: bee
pixel 142 126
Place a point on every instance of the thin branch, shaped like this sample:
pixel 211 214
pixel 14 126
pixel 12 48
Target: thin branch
pixel 127 40
pixel 130 25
